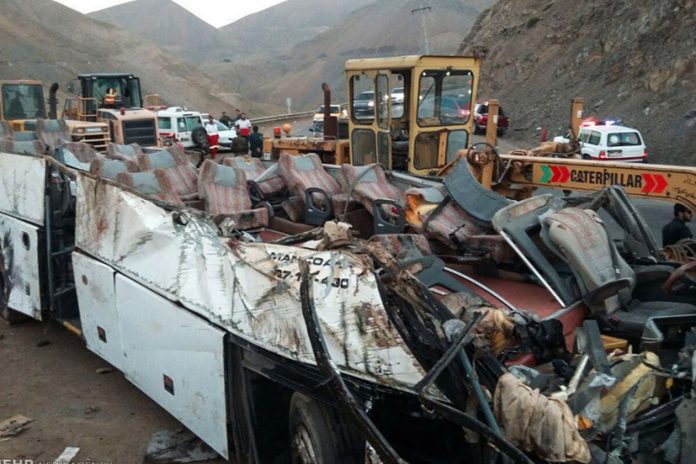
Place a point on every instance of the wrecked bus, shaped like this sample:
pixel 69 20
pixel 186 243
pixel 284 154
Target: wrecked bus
pixel 321 347
pixel 318 313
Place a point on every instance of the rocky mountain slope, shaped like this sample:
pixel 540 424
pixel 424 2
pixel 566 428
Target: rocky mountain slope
pixel 44 40
pixel 634 60
pixel 270 32
pixel 165 23
pixel 382 28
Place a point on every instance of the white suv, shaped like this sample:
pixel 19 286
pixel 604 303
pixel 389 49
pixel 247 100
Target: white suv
pixel 608 142
pixel 177 122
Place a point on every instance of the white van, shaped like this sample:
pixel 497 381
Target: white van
pixel 616 143
pixel 177 122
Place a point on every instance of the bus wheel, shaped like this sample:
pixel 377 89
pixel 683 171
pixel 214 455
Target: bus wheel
pixel 318 436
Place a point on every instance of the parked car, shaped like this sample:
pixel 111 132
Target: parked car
pixel 227 134
pixel 397 96
pixel 364 104
pixel 481 119
pixel 449 109
pixel 335 110
pixel 317 129
pixel 603 142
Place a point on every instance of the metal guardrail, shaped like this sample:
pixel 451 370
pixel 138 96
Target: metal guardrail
pixel 281 117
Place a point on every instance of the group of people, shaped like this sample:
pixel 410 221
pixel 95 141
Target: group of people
pixel 244 129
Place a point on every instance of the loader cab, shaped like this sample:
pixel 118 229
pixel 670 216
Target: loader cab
pixel 21 101
pixel 116 100
pixel 109 91
pixel 410 113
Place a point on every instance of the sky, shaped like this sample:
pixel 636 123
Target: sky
pixel 215 12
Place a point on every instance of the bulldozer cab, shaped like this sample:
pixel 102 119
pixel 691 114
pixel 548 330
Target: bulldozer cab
pixel 21 101
pixel 111 91
pixel 410 113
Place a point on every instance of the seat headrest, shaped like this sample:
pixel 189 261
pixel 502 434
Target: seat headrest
pixel 33 147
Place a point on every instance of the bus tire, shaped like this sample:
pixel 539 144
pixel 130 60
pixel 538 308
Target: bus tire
pixel 318 435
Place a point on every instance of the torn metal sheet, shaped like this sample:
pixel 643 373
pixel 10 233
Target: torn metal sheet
pixel 22 186
pixel 249 289
pixel 20 283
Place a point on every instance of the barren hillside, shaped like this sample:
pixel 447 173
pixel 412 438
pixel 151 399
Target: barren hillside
pixel 382 28
pixel 633 60
pixel 170 26
pixel 44 40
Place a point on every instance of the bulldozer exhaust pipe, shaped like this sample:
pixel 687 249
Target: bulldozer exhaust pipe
pixel 330 122
pixel 53 101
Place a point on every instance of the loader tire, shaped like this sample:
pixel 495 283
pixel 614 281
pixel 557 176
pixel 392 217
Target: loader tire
pixel 319 436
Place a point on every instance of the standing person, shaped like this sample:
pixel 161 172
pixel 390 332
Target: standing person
pixel 237 115
pixel 244 126
pixel 677 229
pixel 256 143
pixel 226 120
pixel 213 136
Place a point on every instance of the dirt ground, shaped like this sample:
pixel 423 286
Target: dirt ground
pixel 57 385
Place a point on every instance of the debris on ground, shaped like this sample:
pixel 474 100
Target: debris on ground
pixel 14 425
pixel 67 455
pixel 105 370
pixel 91 411
pixel 168 446
pixel 41 343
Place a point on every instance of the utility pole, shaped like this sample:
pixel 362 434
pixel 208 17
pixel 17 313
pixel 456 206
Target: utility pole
pixel 423 10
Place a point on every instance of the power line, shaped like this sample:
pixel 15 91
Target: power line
pixel 423 10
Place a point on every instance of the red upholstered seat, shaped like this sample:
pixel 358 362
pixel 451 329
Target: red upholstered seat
pixel 111 168
pixel 456 229
pixel 253 167
pixel 52 132
pixel 78 155
pixel 33 147
pixel 369 183
pixel 181 174
pixel 302 172
pixel 123 152
pixel 151 183
pixel 224 190
pixel 6 131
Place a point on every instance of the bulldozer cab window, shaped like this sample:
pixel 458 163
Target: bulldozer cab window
pixel 23 101
pixel 127 90
pixel 362 91
pixel 397 95
pixel 456 140
pixel 427 147
pixel 382 101
pixel 363 147
pixel 444 97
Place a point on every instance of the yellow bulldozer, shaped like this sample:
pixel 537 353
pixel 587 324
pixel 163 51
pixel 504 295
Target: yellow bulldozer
pixel 115 99
pixel 22 103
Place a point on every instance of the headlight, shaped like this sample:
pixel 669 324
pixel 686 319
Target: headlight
pixel 371 104
pixel 80 130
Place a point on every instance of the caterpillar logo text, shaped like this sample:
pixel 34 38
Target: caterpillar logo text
pixel 647 183
pixel 673 183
